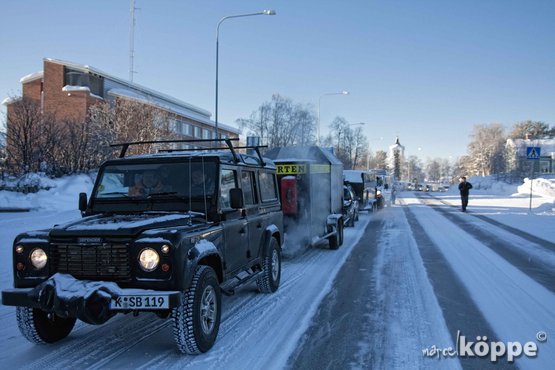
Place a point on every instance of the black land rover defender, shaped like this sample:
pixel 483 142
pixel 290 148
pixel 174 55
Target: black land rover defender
pixel 166 233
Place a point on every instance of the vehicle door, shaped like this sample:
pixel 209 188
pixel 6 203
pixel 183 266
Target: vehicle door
pixel 255 215
pixel 234 224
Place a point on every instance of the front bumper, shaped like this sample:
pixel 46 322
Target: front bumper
pixel 92 302
pixel 24 297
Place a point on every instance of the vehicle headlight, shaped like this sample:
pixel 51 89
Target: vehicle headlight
pixel 38 258
pixel 149 259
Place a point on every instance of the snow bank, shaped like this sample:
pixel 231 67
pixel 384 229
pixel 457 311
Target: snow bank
pixel 541 186
pixel 492 186
pixel 57 194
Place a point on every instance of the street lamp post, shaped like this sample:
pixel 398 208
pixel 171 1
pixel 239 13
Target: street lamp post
pixel 264 12
pixel 319 104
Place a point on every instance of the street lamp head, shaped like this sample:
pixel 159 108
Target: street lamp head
pixel 269 12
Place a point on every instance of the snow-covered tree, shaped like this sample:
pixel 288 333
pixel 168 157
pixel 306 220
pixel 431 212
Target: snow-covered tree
pixel 531 130
pixel 486 149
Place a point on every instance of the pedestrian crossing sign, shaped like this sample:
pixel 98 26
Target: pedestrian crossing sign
pixel 533 152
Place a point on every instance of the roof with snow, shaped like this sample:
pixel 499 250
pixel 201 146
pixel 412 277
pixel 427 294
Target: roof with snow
pixel 547 145
pixel 314 154
pixel 31 77
pixel 130 90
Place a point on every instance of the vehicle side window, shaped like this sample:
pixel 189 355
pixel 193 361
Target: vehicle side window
pixel 227 182
pixel 249 187
pixel 268 190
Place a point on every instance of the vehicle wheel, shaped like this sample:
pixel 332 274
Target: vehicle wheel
pixel 196 320
pixel 356 216
pixel 42 327
pixel 353 219
pixel 340 233
pixel 337 240
pixel 271 269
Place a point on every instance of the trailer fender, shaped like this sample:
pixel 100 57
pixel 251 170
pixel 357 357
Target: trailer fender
pixel 334 219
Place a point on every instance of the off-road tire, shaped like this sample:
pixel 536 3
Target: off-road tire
pixel 269 280
pixel 356 215
pixel 337 240
pixel 188 331
pixel 41 327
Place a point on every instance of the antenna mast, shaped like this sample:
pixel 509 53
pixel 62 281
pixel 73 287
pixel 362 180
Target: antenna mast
pixel 131 40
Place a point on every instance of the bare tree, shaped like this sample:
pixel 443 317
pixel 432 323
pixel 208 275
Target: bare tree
pixel 433 170
pixel 280 122
pixel 360 145
pixel 31 136
pixel 123 122
pixel 381 159
pixel 413 169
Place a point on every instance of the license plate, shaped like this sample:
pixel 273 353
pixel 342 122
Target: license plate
pixel 140 302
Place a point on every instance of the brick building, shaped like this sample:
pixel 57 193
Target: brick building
pixel 67 90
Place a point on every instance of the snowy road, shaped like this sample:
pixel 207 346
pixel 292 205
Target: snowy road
pixel 406 278
pixel 432 271
pixel 257 330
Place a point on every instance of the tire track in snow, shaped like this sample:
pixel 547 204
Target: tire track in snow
pixel 93 346
pixel 246 304
pixel 515 306
pixel 459 310
pixel 550 246
pixel 540 269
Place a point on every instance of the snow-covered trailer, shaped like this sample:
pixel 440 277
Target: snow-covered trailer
pixel 311 188
pixel 364 185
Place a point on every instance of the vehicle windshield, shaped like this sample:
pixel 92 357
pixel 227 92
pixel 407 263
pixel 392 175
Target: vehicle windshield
pixel 137 181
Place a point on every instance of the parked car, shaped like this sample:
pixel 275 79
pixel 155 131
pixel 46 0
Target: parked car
pixel 350 207
pixel 165 233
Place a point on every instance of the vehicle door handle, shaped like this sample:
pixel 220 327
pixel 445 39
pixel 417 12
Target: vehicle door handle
pixel 242 231
pixel 259 226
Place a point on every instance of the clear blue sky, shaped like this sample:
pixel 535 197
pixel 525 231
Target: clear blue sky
pixel 424 70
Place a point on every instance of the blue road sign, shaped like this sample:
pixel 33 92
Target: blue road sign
pixel 533 152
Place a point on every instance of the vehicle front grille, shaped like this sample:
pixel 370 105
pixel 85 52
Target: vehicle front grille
pixel 93 262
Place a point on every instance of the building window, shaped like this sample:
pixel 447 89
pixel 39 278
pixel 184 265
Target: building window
pixel 94 82
pixel 177 126
pixel 206 134
pixel 198 132
pixel 187 129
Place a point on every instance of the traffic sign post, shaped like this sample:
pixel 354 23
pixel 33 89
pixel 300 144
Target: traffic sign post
pixel 532 153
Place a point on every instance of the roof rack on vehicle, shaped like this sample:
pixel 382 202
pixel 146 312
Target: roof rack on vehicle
pixel 255 147
pixel 125 146
pixel 228 141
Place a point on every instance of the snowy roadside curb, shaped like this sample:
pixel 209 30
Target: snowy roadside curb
pixel 304 324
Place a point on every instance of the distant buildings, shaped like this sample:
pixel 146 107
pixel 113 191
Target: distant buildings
pixel 396 157
pixel 66 90
pixel 517 155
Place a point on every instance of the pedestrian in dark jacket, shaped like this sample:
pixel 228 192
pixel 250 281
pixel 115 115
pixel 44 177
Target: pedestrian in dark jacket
pixel 464 188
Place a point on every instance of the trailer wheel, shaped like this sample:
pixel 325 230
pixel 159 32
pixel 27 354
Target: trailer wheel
pixel 42 327
pixel 196 320
pixel 337 240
